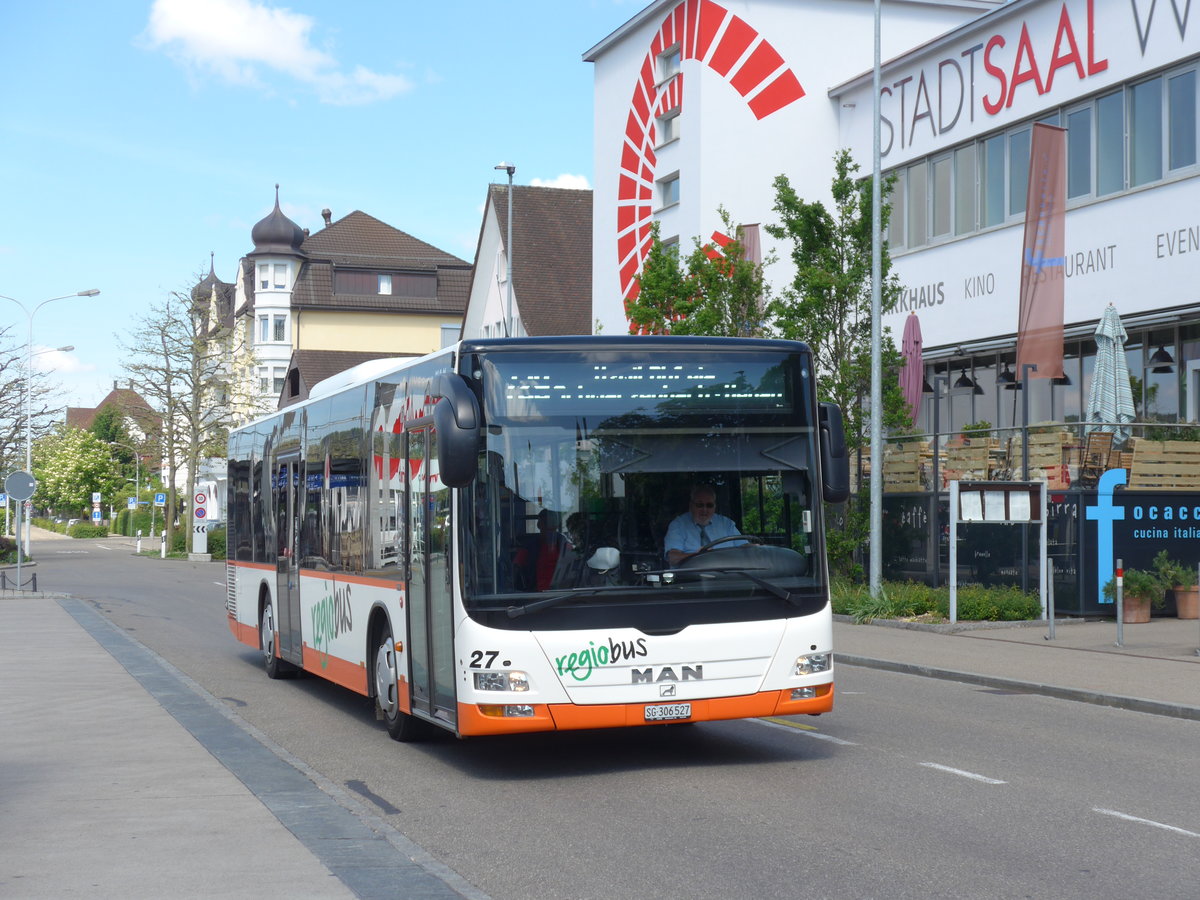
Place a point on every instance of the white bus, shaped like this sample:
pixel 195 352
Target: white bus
pixel 381 534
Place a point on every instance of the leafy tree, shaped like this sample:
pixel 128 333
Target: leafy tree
pixel 69 465
pixel 720 292
pixel 828 305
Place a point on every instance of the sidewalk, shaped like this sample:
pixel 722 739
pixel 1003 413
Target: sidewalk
pixel 1156 670
pixel 119 777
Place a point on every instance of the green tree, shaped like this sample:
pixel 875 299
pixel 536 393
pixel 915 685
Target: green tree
pixel 715 293
pixel 42 401
pixel 828 305
pixel 69 465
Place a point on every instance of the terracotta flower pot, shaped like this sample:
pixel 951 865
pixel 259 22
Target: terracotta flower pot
pixel 1137 610
pixel 1187 602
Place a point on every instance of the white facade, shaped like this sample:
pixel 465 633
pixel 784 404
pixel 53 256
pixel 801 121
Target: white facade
pixel 724 96
pixel 488 305
pixel 274 277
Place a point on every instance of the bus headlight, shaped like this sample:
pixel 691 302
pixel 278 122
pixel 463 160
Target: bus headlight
pixel 812 663
pixel 501 681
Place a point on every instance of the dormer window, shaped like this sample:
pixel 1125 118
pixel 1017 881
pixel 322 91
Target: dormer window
pixel 385 284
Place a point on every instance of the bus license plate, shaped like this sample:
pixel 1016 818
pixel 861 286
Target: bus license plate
pixel 667 711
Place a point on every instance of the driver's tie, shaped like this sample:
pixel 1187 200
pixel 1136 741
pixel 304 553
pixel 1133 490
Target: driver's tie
pixel 703 536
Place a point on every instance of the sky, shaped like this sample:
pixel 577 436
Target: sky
pixel 139 136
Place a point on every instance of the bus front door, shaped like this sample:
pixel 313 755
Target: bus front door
pixel 430 624
pixel 287 584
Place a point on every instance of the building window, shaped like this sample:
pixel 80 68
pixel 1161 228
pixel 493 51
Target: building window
pixel 668 127
pixel 263 332
pixel 964 189
pixel 668 64
pixel 264 276
pixel 896 230
pixel 1018 170
pixel 941 196
pixel 1079 152
pixel 991 181
pixel 277 381
pixel 280 329
pixel 450 334
pixel 668 190
pixel 1110 143
pixel 281 276
pixel 385 284
pixel 1145 132
pixel 264 381
pixel 918 205
pixel 1181 118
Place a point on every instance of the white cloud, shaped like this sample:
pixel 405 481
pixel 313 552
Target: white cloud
pixel 578 182
pixel 58 362
pixel 239 40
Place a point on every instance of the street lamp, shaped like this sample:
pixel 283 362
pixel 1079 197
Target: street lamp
pixel 30 313
pixel 137 478
pixel 510 169
pixel 939 381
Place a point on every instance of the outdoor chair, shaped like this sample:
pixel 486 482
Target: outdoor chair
pixel 1094 459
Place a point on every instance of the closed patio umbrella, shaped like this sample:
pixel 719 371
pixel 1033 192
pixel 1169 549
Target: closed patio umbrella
pixel 1110 401
pixel 912 373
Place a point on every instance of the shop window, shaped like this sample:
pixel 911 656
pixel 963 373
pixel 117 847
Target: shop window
pixel 1079 152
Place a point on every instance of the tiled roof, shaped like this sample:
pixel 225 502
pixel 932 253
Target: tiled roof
pixel 552 256
pixel 128 402
pixel 362 240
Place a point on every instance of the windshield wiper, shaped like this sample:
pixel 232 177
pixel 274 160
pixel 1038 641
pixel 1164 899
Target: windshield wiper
pixel 545 602
pixel 773 589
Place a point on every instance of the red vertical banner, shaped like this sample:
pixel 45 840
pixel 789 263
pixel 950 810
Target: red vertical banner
pixel 1043 255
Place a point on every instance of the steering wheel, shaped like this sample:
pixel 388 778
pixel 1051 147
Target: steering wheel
pixel 744 538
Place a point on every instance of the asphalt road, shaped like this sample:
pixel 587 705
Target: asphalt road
pixel 912 788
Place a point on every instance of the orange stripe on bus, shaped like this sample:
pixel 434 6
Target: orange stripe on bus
pixel 246 634
pixel 334 668
pixel 242 564
pixel 342 578
pixel 568 716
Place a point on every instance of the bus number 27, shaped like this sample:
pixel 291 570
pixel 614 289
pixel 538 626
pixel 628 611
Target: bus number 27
pixel 478 655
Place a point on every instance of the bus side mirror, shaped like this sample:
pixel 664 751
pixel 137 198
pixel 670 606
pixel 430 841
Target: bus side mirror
pixel 835 461
pixel 456 417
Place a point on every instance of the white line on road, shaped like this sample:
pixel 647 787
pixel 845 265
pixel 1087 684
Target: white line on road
pixel 797 728
pixel 970 775
pixel 1129 818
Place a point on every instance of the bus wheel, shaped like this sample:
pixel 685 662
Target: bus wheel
pixel 276 667
pixel 400 725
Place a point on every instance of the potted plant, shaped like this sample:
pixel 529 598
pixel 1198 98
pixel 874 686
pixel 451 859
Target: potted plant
pixel 1142 589
pixel 1181 579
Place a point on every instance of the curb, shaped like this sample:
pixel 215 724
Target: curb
pixel 1135 704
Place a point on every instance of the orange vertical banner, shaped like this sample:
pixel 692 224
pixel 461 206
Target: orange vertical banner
pixel 1043 255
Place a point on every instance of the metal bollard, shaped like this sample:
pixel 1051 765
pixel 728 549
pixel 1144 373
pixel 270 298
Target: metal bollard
pixel 139 542
pixel 1120 603
pixel 162 553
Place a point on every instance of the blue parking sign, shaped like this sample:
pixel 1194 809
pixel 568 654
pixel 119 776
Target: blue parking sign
pixel 160 499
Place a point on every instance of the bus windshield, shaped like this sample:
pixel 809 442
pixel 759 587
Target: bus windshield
pixel 597 463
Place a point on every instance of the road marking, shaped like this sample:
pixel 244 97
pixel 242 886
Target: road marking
pixel 964 774
pixel 1129 818
pixel 806 730
pixel 71 552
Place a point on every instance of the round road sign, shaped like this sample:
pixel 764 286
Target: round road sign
pixel 20 484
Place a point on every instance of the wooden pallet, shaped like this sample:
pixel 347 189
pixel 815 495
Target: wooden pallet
pixel 967 463
pixel 903 465
pixel 1165 466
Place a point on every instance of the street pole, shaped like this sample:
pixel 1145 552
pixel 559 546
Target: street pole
pixel 876 524
pixel 935 515
pixel 510 169
pixel 1026 368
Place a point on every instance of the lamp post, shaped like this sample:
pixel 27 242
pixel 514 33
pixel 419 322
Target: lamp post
pixel 30 313
pixel 510 169
pixel 1026 368
pixel 137 478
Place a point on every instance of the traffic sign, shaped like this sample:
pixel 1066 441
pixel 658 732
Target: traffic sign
pixel 97 515
pixel 200 512
pixel 131 502
pixel 199 526
pixel 3 498
pixel 20 484
pixel 96 498
pixel 160 499
pixel 201 498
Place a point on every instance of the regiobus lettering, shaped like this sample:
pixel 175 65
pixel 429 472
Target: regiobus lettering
pixel 475 539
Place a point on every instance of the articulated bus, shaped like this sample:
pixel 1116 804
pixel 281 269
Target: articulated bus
pixel 377 532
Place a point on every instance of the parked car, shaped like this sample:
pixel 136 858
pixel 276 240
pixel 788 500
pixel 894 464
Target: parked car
pixel 71 522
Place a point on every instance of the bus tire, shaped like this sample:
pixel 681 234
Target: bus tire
pixel 400 725
pixel 276 667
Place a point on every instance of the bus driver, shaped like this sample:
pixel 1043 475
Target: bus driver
pixel 698 527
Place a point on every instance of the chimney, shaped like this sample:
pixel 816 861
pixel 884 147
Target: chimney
pixel 114 384
pixel 327 216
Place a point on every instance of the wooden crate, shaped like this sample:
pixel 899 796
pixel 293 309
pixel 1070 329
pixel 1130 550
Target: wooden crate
pixel 1165 466
pixel 1045 449
pixel 903 466
pixel 966 463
